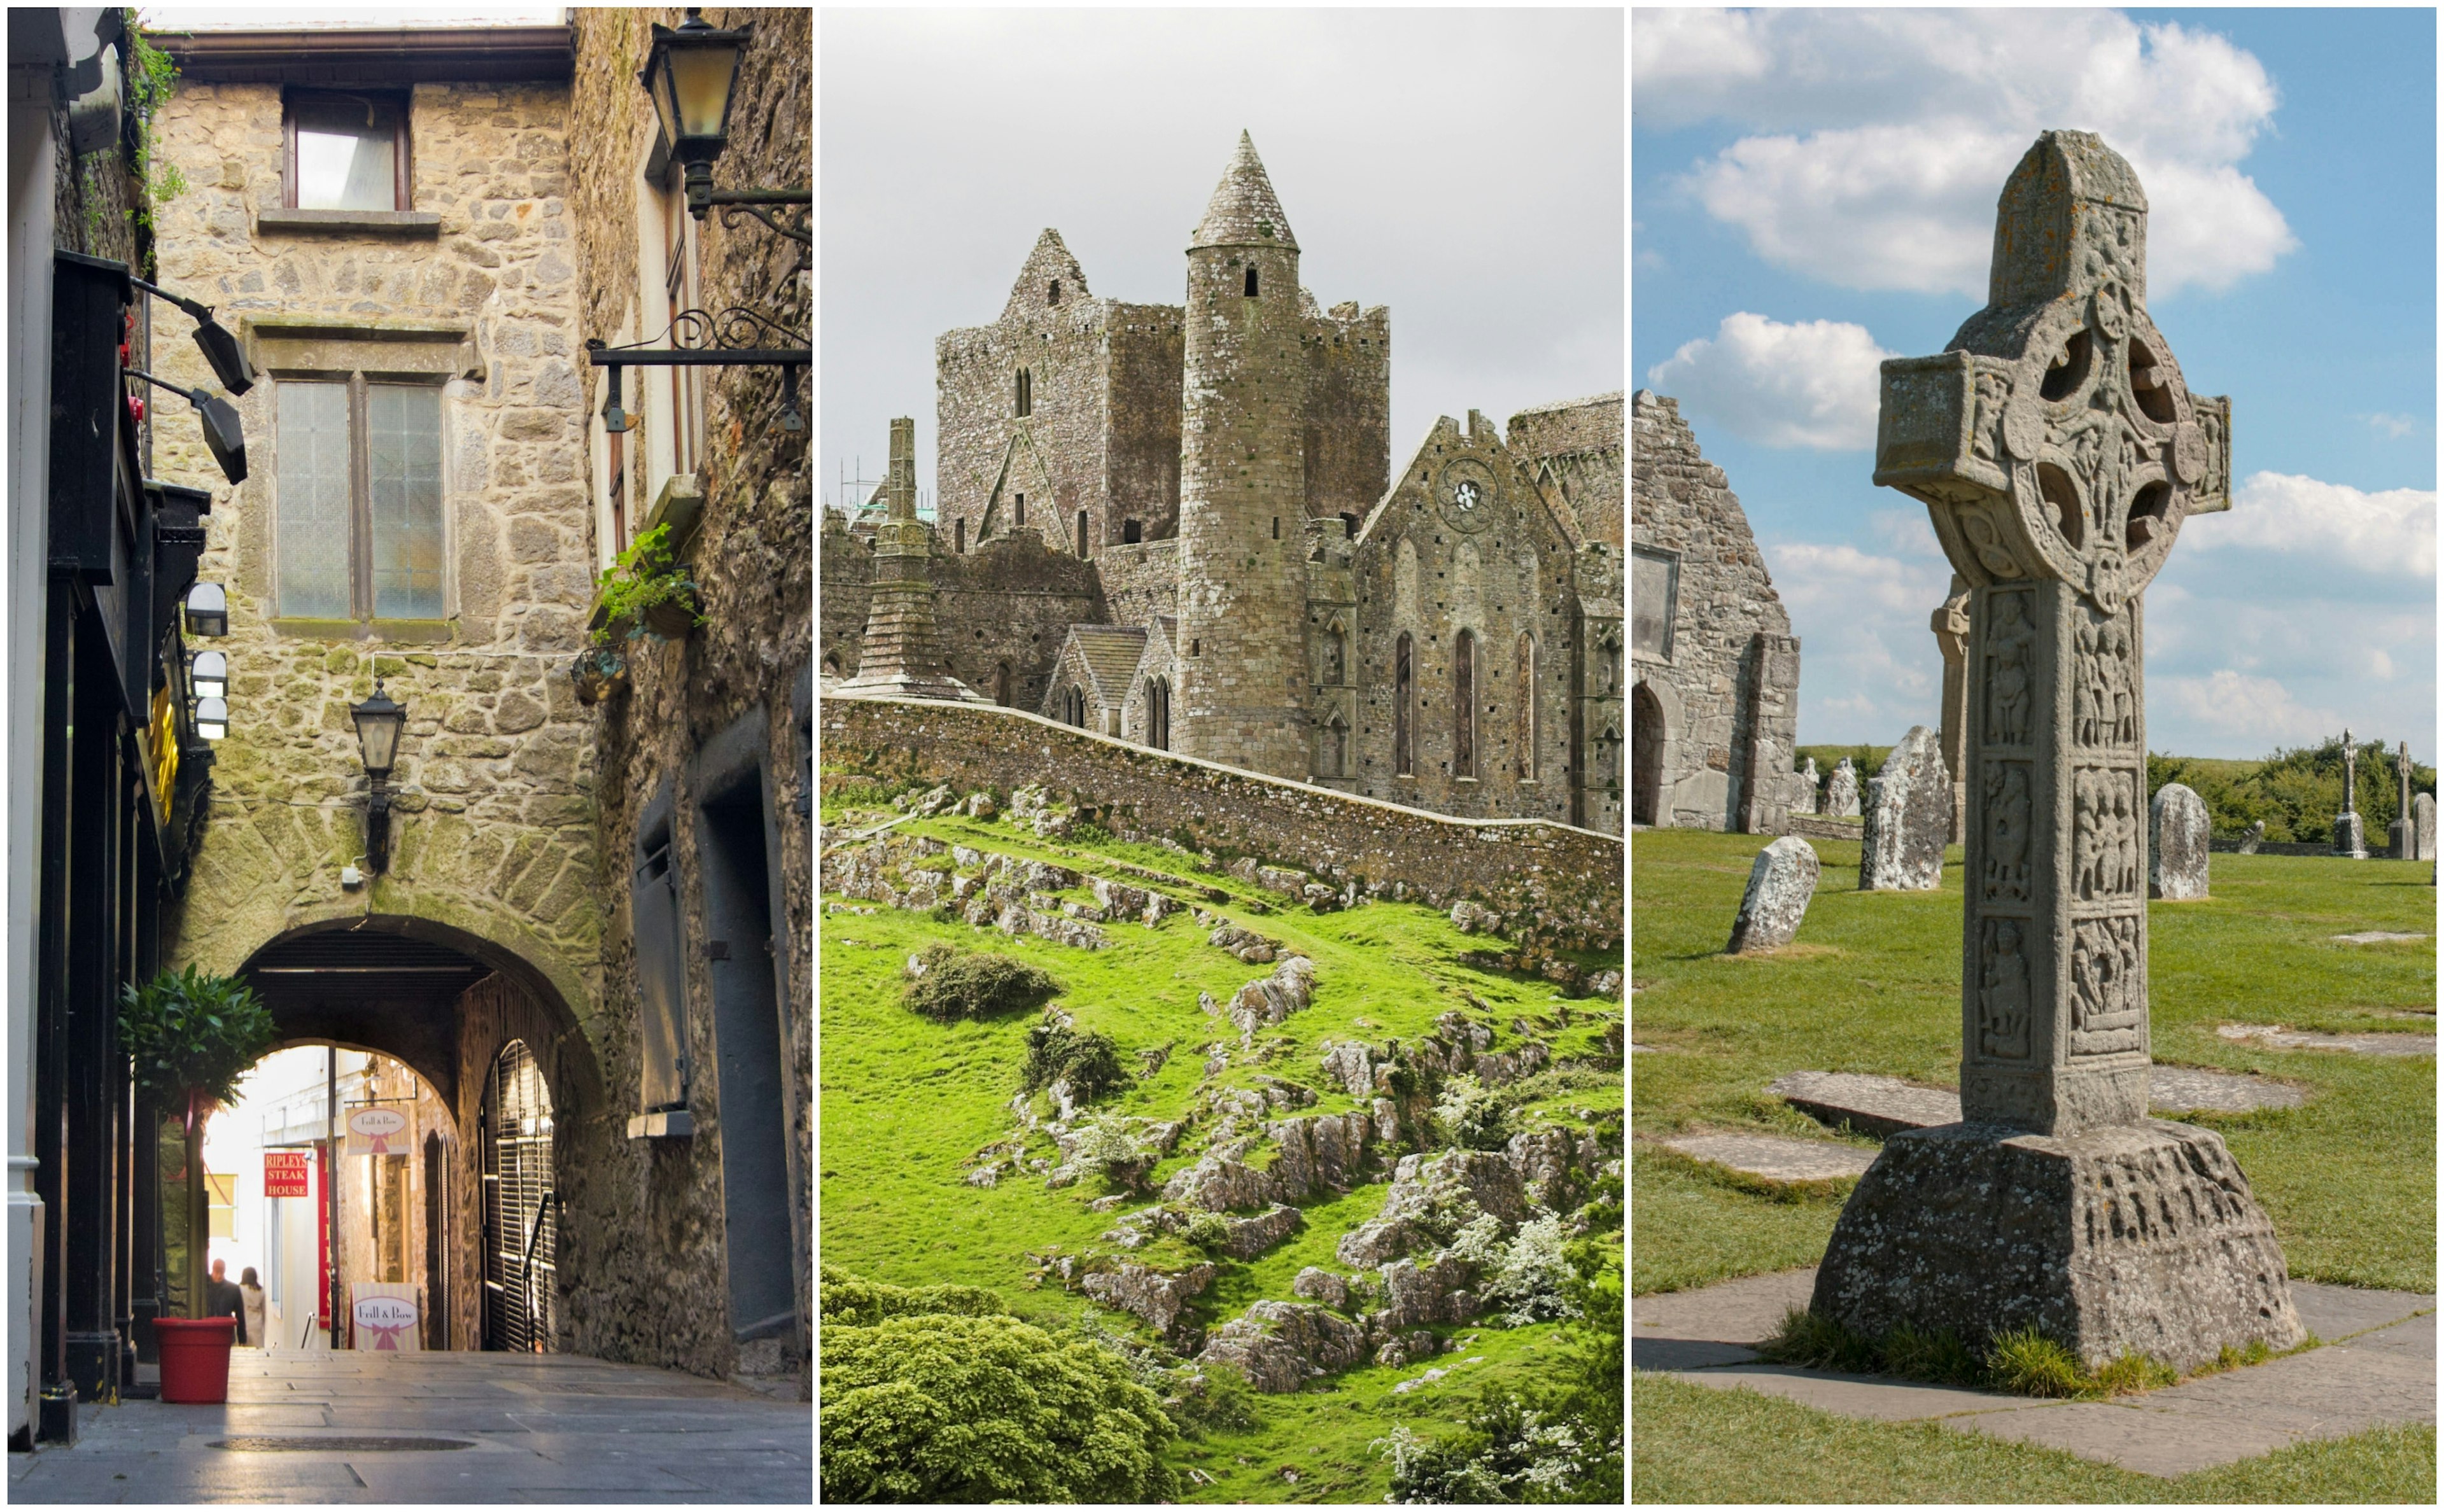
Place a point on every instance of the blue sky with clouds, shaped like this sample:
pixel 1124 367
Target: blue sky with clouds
pixel 1813 191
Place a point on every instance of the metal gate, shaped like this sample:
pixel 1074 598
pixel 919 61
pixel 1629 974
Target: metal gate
pixel 520 1206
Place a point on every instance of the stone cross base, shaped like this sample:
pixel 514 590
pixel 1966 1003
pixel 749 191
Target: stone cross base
pixel 2142 1239
pixel 2404 841
pixel 2350 837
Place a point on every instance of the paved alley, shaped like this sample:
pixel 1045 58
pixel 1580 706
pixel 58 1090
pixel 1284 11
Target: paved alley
pixel 437 1427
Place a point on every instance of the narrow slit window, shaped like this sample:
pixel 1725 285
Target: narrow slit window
pixel 1464 704
pixel 1053 295
pixel 1251 282
pixel 1403 693
pixel 1025 392
pixel 1081 532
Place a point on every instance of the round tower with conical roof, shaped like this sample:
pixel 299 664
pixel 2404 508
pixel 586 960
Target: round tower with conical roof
pixel 1241 693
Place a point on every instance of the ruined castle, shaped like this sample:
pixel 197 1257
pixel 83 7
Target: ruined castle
pixel 1178 525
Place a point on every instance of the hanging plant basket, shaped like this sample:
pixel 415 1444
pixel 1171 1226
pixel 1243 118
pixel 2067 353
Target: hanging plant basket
pixel 598 674
pixel 672 619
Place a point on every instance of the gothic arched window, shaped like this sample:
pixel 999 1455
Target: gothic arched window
pixel 1251 282
pixel 1528 710
pixel 1001 685
pixel 1336 655
pixel 1464 704
pixel 1403 693
pixel 1025 392
pixel 1332 757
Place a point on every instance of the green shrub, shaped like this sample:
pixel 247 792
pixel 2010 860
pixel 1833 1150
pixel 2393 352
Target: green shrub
pixel 943 1408
pixel 1507 1452
pixel 1474 1114
pixel 2296 792
pixel 1216 1399
pixel 1206 1231
pixel 191 1037
pixel 853 1301
pixel 975 985
pixel 1086 1059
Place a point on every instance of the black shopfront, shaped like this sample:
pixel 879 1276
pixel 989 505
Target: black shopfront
pixel 122 784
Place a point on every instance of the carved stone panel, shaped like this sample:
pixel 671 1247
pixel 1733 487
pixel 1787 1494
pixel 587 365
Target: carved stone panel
pixel 2107 823
pixel 2104 692
pixel 2010 678
pixel 2108 987
pixel 2010 832
pixel 2003 1007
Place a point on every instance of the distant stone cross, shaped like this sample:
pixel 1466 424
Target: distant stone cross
pixel 2058 450
pixel 2351 773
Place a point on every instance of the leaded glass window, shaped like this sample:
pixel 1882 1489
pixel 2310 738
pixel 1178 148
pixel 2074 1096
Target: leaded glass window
pixel 359 530
pixel 315 506
pixel 403 443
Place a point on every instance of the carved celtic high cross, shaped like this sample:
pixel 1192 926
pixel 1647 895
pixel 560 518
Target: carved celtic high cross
pixel 2058 451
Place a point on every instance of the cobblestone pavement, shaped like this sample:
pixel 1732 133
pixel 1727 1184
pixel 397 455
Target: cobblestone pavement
pixel 2376 1366
pixel 523 1428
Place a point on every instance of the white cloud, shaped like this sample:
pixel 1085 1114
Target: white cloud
pixel 1810 384
pixel 2391 534
pixel 2258 713
pixel 1882 137
pixel 1868 664
pixel 2395 426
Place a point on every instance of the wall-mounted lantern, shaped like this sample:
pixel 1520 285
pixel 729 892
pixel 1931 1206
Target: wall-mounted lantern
pixel 206 610
pixel 690 74
pixel 208 674
pixel 212 718
pixel 379 723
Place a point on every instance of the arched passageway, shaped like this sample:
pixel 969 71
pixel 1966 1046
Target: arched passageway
pixel 1646 737
pixel 502 1050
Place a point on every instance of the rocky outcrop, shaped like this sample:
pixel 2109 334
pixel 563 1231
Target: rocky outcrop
pixel 1490 1181
pixel 1415 1296
pixel 1316 1285
pixel 1323 1153
pixel 1158 1297
pixel 1250 1237
pixel 1281 1346
pixel 1407 1349
pixel 1351 1064
pixel 1460 1045
pixel 1272 1000
pixel 1119 901
pixel 1246 944
pixel 1474 918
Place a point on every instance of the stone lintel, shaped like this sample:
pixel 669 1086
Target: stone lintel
pixel 406 632
pixel 400 223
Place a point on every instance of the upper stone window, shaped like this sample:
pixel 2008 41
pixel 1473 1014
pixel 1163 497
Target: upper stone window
pixel 1053 295
pixel 1025 392
pixel 347 152
pixel 1251 282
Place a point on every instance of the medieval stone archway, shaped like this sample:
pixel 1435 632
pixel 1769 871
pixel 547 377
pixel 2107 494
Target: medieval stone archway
pixel 1649 733
pixel 446 1003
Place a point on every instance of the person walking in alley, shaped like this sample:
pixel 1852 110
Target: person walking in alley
pixel 249 1291
pixel 222 1297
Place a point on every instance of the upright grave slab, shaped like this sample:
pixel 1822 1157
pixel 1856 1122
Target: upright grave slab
pixel 1842 791
pixel 2405 821
pixel 1907 816
pixel 2177 831
pixel 2059 452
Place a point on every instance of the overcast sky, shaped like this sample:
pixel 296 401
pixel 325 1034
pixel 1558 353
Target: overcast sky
pixel 1814 192
pixel 1463 167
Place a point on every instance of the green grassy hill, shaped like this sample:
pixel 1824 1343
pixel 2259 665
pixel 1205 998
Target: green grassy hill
pixel 913 1109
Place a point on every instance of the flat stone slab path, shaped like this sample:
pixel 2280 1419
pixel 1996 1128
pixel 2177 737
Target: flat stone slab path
pixel 2376 937
pixel 2377 1366
pixel 2283 1039
pixel 528 1428
pixel 1774 1157
pixel 1887 1105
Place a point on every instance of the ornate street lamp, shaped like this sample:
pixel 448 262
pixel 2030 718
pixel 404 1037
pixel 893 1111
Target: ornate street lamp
pixel 379 723
pixel 206 610
pixel 690 74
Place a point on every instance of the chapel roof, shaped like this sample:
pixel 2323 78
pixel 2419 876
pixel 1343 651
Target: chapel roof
pixel 1244 210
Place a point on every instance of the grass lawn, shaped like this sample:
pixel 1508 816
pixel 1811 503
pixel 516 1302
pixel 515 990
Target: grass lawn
pixel 1700 1444
pixel 906 1103
pixel 1873 984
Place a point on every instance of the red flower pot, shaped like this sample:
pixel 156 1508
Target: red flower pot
pixel 194 1357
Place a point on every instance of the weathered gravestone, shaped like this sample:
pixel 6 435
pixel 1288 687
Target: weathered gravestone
pixel 1804 803
pixel 1780 884
pixel 2058 451
pixel 1842 792
pixel 2177 830
pixel 2350 837
pixel 2256 837
pixel 1909 817
pixel 2405 822
pixel 2423 810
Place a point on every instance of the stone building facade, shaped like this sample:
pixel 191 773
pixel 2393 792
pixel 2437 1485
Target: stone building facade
pixel 1225 520
pixel 1714 706
pixel 706 762
pixel 473 530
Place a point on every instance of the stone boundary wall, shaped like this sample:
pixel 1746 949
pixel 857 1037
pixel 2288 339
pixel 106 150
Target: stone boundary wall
pixel 2220 846
pixel 1559 884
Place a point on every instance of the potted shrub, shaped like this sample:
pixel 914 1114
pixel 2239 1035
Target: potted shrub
pixel 648 592
pixel 191 1037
